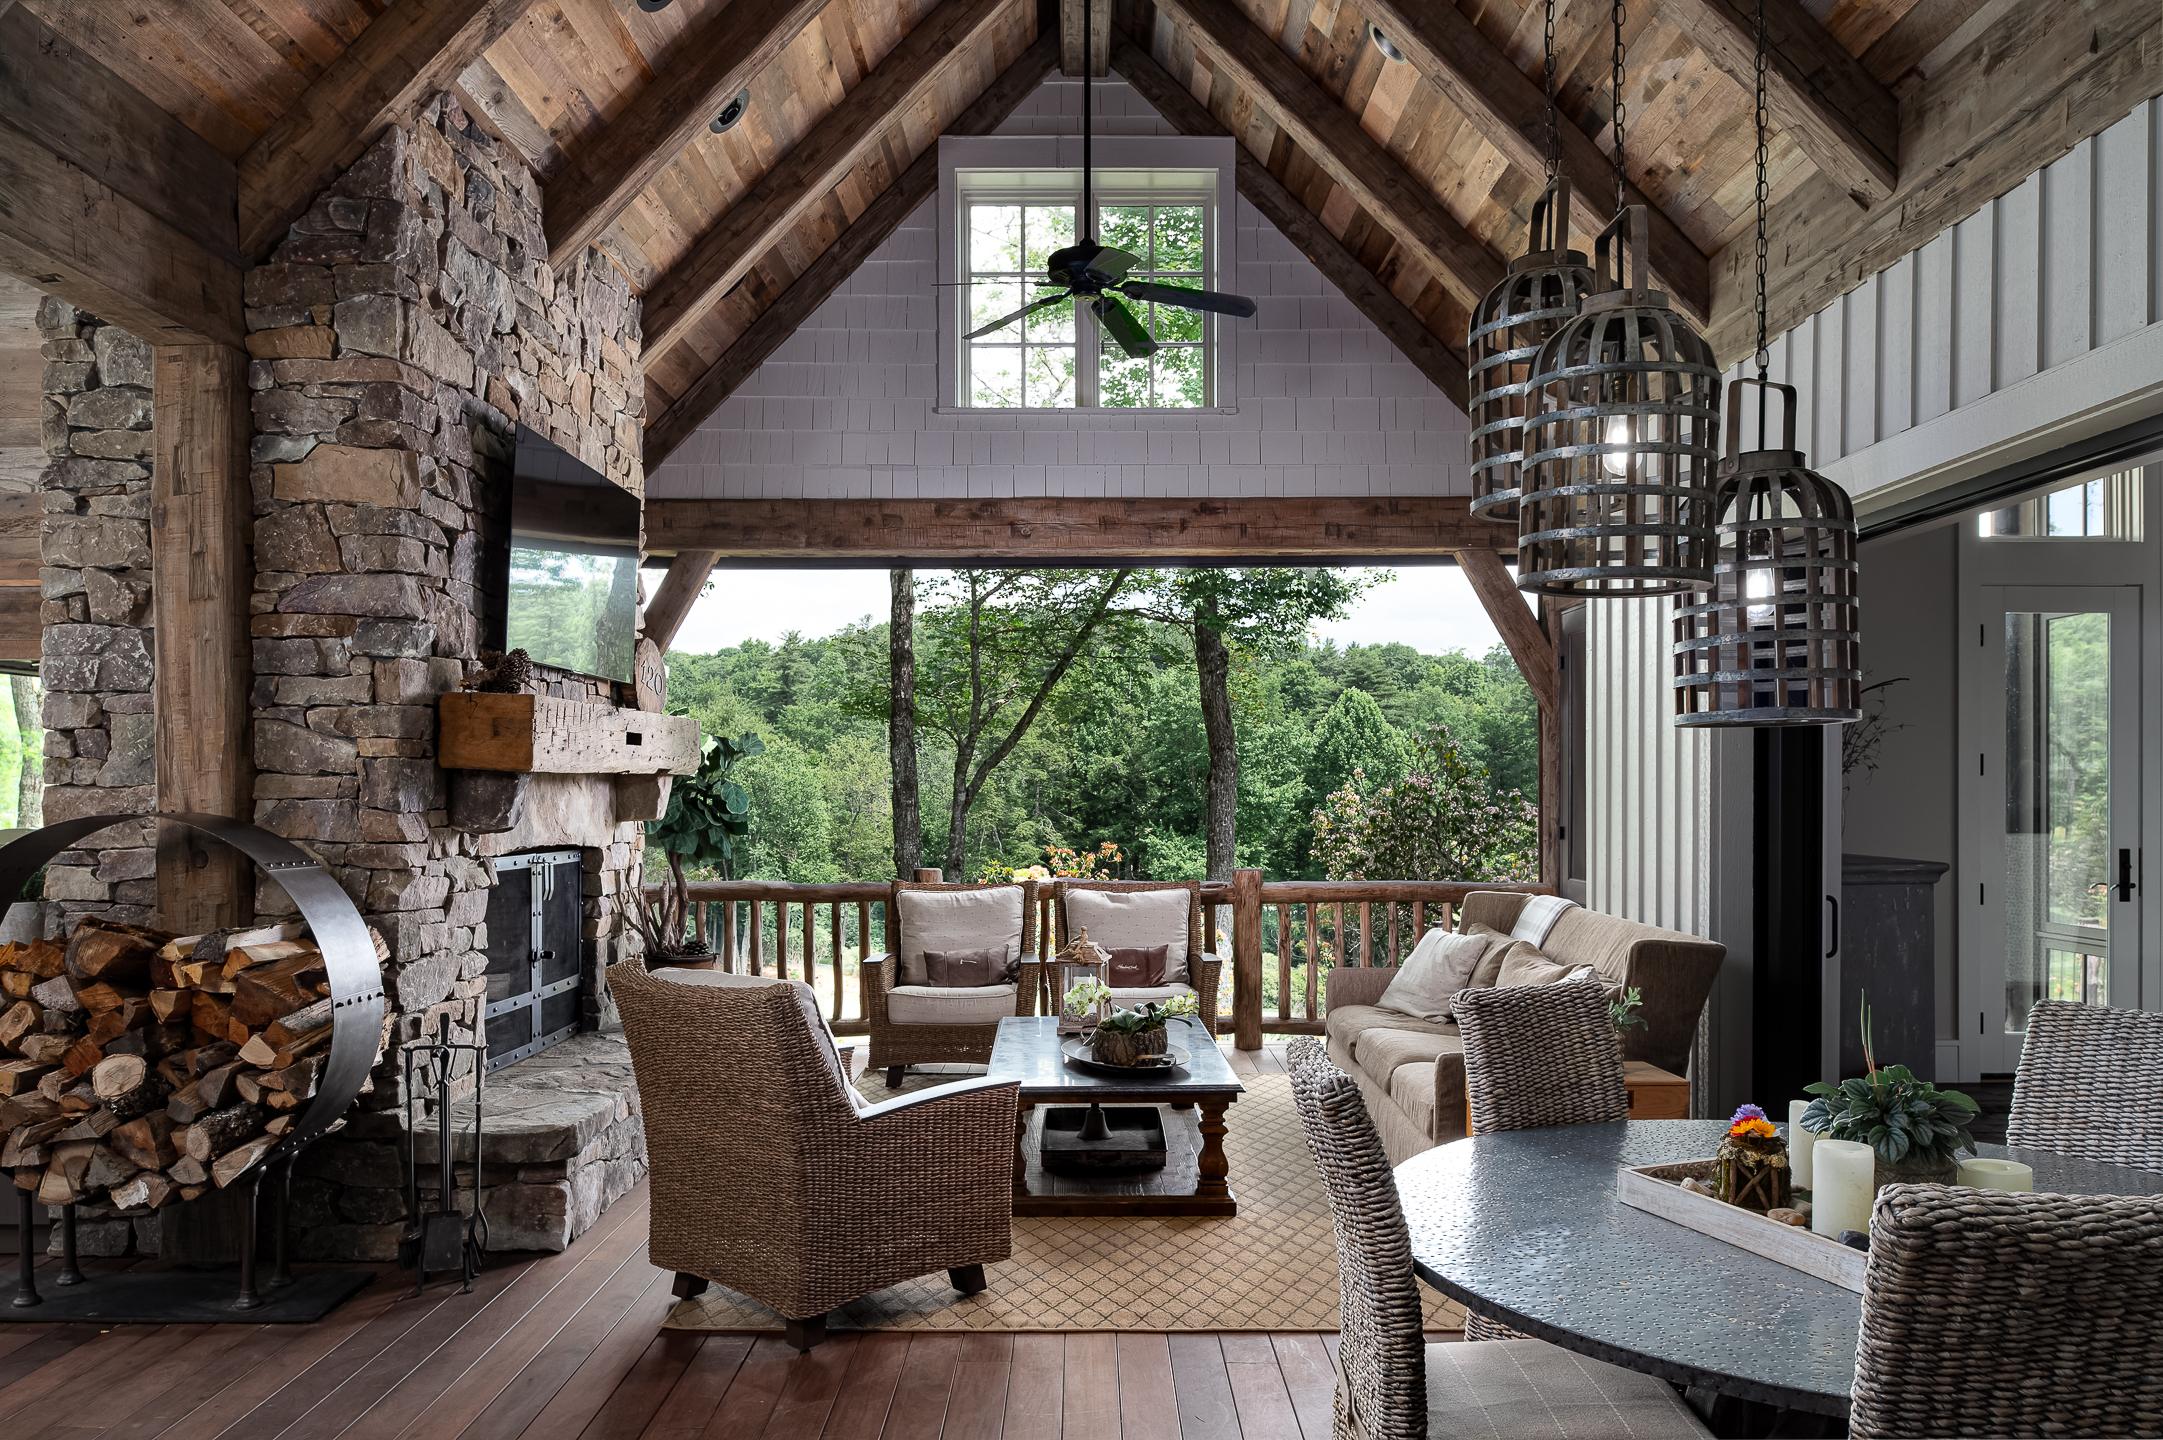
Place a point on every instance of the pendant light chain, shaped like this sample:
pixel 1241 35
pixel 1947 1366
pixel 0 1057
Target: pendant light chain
pixel 1621 116
pixel 1763 357
pixel 1547 81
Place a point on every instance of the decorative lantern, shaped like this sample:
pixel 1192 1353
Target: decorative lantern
pixel 1541 292
pixel 1777 640
pixel 1082 959
pixel 1620 436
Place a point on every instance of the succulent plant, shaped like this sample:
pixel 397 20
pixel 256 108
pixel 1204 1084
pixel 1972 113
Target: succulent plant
pixel 1906 1119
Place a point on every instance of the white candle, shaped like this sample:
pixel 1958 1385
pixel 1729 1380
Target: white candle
pixel 1983 1173
pixel 1799 1143
pixel 1846 1173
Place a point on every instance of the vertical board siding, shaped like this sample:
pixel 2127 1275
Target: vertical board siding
pixel 2066 262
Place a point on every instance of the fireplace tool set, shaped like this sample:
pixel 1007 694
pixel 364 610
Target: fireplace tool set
pixel 444 1238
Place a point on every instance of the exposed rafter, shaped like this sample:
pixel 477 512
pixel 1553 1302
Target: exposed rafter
pixel 1071 13
pixel 1514 621
pixel 1067 529
pixel 812 168
pixel 610 168
pixel 679 591
pixel 1437 359
pixel 819 279
pixel 1510 112
pixel 407 54
pixel 1839 115
pixel 1393 197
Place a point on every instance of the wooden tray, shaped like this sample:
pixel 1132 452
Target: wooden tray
pixel 1657 1190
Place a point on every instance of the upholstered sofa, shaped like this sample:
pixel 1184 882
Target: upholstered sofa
pixel 1412 1071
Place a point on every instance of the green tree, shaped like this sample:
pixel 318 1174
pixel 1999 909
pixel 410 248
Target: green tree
pixel 1355 737
pixel 1443 820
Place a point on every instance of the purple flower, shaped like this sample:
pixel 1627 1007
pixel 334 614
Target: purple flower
pixel 1747 1112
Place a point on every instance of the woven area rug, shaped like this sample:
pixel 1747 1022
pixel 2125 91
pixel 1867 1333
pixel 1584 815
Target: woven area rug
pixel 1271 1267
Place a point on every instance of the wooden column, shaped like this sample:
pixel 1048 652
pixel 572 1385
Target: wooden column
pixel 678 592
pixel 201 577
pixel 1247 959
pixel 1552 743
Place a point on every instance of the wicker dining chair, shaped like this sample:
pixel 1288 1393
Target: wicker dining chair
pixel 1202 968
pixel 770 1176
pixel 1987 1312
pixel 1392 1384
pixel 915 1024
pixel 2088 1084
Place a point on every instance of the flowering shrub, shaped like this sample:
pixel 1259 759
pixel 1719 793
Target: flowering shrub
pixel 1101 863
pixel 1444 820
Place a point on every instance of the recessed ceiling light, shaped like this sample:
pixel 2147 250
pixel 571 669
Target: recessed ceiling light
pixel 731 113
pixel 654 7
pixel 1383 43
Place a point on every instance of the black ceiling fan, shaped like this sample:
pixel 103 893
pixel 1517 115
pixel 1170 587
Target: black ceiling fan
pixel 1096 274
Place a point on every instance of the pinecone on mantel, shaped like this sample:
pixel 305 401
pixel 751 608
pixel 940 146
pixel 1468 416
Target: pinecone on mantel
pixel 501 674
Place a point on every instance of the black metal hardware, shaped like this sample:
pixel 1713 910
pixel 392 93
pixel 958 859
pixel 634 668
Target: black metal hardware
pixel 534 953
pixel 444 1238
pixel 1832 927
pixel 2124 884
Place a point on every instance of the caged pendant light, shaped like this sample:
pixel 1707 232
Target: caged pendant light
pixel 1542 291
pixel 1621 430
pixel 1777 641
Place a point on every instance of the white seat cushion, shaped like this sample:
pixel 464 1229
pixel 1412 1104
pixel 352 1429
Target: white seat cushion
pixel 989 918
pixel 806 1002
pixel 1142 995
pixel 1134 920
pixel 949 1004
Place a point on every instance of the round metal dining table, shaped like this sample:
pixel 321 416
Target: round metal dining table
pixel 1525 1227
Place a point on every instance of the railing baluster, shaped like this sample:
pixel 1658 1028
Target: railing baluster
pixel 1286 919
pixel 781 938
pixel 758 940
pixel 1391 906
pixel 1419 920
pixel 833 918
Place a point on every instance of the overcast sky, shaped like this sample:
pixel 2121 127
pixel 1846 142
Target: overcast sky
pixel 1429 607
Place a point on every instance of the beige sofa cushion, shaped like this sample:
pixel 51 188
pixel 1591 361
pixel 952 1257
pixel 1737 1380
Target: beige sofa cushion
pixel 1412 1090
pixel 1134 919
pixel 983 919
pixel 949 1004
pixel 1142 995
pixel 806 1002
pixel 1439 966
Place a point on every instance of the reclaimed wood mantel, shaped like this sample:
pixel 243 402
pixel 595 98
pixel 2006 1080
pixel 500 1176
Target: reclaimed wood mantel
pixel 538 734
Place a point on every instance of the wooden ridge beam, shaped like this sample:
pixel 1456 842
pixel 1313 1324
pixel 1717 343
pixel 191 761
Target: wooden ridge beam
pixel 107 201
pixel 1065 529
pixel 1437 359
pixel 1519 628
pixel 804 176
pixel 1837 112
pixel 1394 198
pixel 1071 13
pixel 407 54
pixel 1510 113
pixel 700 75
pixel 868 231
pixel 679 591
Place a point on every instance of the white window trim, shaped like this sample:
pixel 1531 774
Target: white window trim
pixel 1049 153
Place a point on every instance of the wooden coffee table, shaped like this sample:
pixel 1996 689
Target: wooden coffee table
pixel 1197 1179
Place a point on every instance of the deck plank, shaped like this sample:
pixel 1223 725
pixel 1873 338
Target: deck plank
pixel 813 1384
pixel 977 1408
pixel 918 1411
pixel 535 1387
pixel 698 1391
pixel 1258 1389
pixel 1035 1388
pixel 860 1410
pixel 1148 1407
pixel 1206 1408
pixel 754 1393
pixel 1092 1387
pixel 1310 1378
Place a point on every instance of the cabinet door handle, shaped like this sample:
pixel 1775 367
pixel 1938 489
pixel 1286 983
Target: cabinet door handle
pixel 1832 926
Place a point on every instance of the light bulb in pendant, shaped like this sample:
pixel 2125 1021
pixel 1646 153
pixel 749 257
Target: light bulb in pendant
pixel 1616 459
pixel 1757 584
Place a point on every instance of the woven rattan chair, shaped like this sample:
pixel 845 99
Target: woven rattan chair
pixel 1992 1313
pixel 769 1177
pixel 2088 1084
pixel 1392 1384
pixel 1203 968
pixel 915 1036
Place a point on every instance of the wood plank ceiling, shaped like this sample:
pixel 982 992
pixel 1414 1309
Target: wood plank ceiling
pixel 728 223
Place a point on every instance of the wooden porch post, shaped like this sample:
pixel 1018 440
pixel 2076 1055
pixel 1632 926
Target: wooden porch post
pixel 1247 959
pixel 201 576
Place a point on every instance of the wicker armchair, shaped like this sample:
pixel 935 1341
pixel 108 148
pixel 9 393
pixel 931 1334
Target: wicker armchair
pixel 1992 1313
pixel 929 1026
pixel 771 1177
pixel 1203 970
pixel 1393 1385
pixel 2087 1084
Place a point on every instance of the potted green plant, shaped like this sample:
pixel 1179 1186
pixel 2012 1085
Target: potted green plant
pixel 707 824
pixel 1128 1037
pixel 1916 1130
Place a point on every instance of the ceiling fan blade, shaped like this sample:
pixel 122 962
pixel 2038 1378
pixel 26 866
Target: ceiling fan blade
pixel 1216 302
pixel 1030 308
pixel 1120 324
pixel 1109 264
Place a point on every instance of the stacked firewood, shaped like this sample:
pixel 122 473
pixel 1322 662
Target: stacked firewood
pixel 142 1069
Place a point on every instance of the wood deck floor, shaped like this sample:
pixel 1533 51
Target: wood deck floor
pixel 568 1347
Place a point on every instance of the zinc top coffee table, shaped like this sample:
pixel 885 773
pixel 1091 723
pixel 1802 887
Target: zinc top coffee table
pixel 1027 1050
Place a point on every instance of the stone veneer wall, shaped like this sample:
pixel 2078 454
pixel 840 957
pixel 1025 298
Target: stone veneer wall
pixel 96 653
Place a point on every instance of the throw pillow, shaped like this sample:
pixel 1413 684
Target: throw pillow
pixel 1438 967
pixel 1138 967
pixel 969 967
pixel 1133 919
pixel 1489 970
pixel 1524 964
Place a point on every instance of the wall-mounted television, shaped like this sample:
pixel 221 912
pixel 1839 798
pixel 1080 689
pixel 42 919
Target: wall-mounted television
pixel 572 601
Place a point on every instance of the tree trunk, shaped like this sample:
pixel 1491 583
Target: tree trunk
pixel 901 724
pixel 30 790
pixel 1213 670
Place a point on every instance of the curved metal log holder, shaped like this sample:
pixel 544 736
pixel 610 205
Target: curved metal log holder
pixel 442 1239
pixel 357 1003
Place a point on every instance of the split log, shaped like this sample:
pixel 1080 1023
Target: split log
pixel 210 1014
pixel 17 1076
pixel 268 991
pixel 237 1162
pixel 212 1090
pixel 57 996
pixel 82 1057
pixel 147 1191
pixel 26 1143
pixel 243 958
pixel 146 1140
pixel 126 1086
pixel 44 1049
pixel 189 1172
pixel 297 1080
pixel 169 1004
pixel 100 997
pixel 105 1170
pixel 21 1019
pixel 93 1124
pixel 105 950
pixel 222 1130
pixel 17 984
pixel 41 958
pixel 302 1022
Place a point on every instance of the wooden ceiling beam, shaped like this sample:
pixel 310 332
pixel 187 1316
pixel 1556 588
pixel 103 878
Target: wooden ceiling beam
pixel 678 592
pixel 407 54
pixel 700 75
pixel 1510 113
pixel 1839 115
pixel 810 170
pixel 1514 621
pixel 818 280
pixel 1394 198
pixel 1066 529
pixel 107 201
pixel 1436 358
pixel 1071 13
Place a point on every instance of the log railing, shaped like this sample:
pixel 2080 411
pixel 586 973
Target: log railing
pixel 1278 938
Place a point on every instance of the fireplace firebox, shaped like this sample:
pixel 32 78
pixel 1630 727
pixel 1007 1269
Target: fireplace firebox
pixel 536 953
